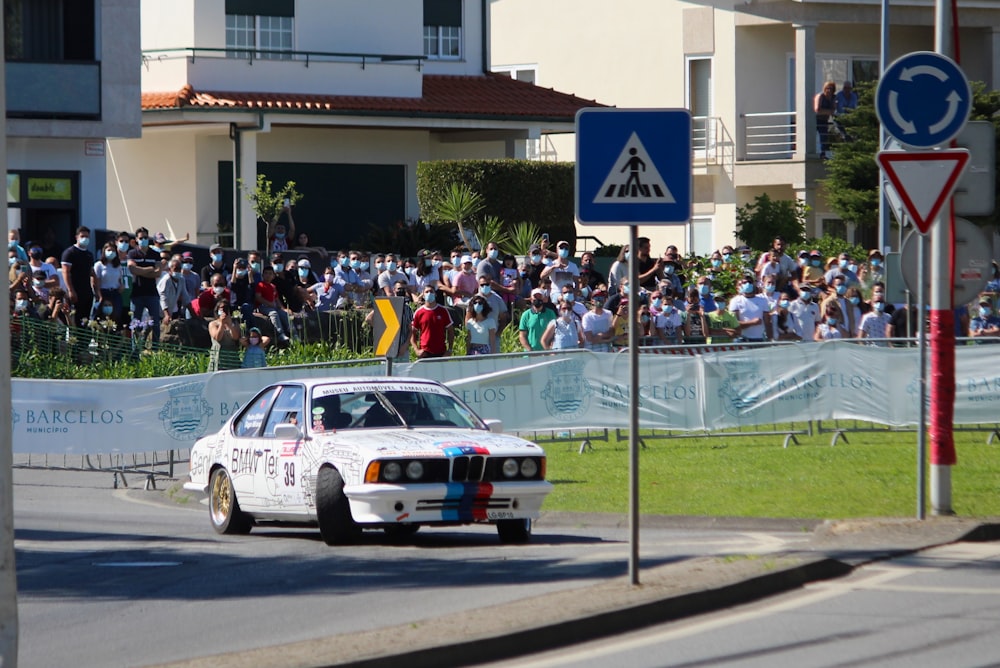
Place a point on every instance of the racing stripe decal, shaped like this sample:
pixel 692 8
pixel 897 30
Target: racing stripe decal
pixel 466 501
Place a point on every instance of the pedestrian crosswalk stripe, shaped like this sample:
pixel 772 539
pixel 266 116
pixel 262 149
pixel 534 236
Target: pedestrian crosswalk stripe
pixel 634 179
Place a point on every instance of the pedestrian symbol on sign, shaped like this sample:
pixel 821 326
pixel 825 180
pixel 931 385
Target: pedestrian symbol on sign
pixel 642 184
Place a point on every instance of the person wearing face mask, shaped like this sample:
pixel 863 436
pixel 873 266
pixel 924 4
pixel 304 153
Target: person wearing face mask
pixel 671 267
pixel 354 281
pixel 563 333
pixel 22 309
pixel 190 277
pixel 831 326
pixel 14 244
pixel 534 321
pixel 39 291
pixel 704 286
pixel 985 325
pixel 463 283
pixel 388 278
pixel 872 271
pixel 215 265
pixel 35 261
pixel 226 343
pixel 751 311
pixel 431 331
pixel 78 275
pixel 812 271
pixel 241 286
pixel 328 294
pixel 843 268
pixel 568 295
pixel 144 267
pixel 668 324
pixel 596 324
pixel 207 301
pixel 481 326
pixel 562 272
pixel 278 234
pixel 804 315
pixel 876 324
pixel 108 273
pixel 849 315
pixel 174 297
pixel 255 357
pixel 535 265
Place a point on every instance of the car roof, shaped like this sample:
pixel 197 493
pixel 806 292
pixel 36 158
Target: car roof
pixel 388 381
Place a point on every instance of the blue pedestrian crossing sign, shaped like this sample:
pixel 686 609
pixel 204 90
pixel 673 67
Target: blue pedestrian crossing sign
pixel 633 166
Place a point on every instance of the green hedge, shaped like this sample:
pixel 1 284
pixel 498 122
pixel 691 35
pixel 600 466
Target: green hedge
pixel 512 190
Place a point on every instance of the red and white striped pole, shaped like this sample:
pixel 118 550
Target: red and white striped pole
pixel 942 317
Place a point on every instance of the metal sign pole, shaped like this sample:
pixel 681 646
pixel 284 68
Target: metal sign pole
pixel 922 348
pixel 633 414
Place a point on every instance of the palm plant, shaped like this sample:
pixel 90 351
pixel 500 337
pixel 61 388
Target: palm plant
pixel 489 229
pixel 459 207
pixel 520 238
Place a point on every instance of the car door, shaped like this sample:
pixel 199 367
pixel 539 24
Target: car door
pixel 278 478
pixel 241 458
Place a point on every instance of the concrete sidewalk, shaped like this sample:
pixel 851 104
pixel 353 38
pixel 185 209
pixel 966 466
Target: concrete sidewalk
pixel 666 592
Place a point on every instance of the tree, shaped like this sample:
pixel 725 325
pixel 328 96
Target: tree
pixel 852 182
pixel 757 224
pixel 458 206
pixel 266 203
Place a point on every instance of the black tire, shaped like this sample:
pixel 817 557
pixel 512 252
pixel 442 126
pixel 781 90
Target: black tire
pixel 333 511
pixel 514 531
pixel 223 506
pixel 401 531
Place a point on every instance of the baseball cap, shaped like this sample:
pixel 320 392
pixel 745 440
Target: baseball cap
pixel 466 258
pixel 254 329
pixel 537 292
pixel 304 263
pixel 187 255
pixel 562 243
pixel 213 247
pixel 874 252
pixel 815 253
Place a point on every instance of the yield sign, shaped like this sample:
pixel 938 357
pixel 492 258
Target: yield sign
pixel 924 180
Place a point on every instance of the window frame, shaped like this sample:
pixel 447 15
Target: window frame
pixel 262 30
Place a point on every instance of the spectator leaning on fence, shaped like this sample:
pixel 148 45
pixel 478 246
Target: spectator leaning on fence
pixel 481 327
pixel 596 325
pixel 751 311
pixel 986 323
pixel 432 333
pixel 565 332
pixel 876 324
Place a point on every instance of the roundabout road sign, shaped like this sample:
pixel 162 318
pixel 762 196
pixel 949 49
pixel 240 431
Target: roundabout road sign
pixel 923 99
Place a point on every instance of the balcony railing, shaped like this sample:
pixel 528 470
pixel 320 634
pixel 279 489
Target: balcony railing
pixel 712 143
pixel 304 57
pixel 53 90
pixel 769 136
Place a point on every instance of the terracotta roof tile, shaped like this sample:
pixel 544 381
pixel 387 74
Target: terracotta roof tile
pixel 490 95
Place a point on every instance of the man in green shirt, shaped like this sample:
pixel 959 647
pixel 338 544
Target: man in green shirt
pixel 534 321
pixel 722 325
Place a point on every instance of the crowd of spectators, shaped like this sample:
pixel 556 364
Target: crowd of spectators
pixel 734 294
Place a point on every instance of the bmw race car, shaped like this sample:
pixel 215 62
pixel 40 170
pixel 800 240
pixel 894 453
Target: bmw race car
pixel 363 453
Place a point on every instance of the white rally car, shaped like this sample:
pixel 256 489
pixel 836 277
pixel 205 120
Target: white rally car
pixel 354 453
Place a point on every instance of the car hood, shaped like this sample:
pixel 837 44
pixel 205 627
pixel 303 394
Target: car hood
pixel 430 442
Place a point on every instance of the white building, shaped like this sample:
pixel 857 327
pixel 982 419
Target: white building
pixel 747 70
pixel 344 97
pixel 71 83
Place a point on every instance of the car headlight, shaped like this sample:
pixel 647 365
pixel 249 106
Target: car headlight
pixel 392 471
pixel 529 468
pixel 510 468
pixel 415 470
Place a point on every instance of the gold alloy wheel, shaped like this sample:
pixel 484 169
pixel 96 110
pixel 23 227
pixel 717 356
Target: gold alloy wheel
pixel 222 497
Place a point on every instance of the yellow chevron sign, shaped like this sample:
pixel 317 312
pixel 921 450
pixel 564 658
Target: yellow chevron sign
pixel 386 325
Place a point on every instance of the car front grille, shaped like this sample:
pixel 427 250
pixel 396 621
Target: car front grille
pixel 468 468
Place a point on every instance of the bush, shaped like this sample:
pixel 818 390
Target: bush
pixel 511 190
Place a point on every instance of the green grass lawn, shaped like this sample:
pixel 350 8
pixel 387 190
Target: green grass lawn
pixel 872 476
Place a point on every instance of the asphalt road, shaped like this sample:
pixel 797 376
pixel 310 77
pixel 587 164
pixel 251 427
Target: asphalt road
pixel 127 578
pixel 938 607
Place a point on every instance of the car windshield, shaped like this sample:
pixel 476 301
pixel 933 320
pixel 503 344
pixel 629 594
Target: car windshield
pixel 336 407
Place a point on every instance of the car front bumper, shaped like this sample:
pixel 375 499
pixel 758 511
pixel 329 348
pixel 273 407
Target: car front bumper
pixel 446 503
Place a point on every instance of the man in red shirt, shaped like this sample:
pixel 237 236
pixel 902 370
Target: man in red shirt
pixel 269 304
pixel 432 334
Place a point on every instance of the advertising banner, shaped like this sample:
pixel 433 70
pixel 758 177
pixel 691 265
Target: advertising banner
pixel 536 392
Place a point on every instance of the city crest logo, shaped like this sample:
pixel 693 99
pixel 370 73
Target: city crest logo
pixel 185 415
pixel 743 388
pixel 567 393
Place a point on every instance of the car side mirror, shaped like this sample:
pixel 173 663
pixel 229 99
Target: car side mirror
pixel 286 431
pixel 495 426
